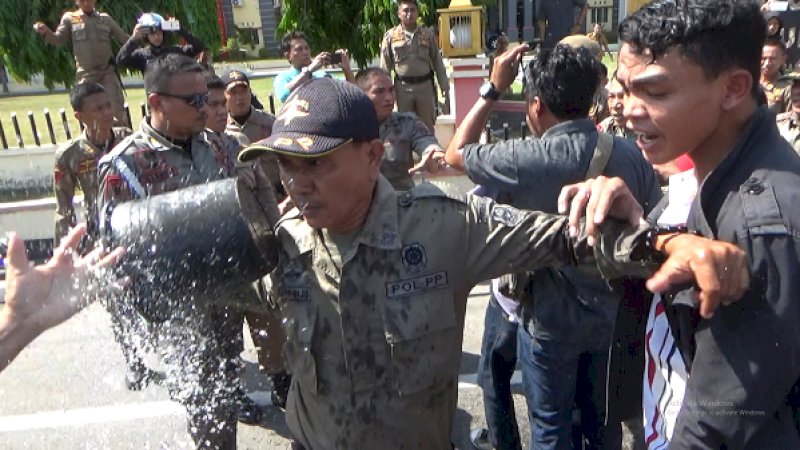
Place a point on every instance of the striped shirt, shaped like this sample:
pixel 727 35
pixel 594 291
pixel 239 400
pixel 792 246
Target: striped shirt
pixel 665 374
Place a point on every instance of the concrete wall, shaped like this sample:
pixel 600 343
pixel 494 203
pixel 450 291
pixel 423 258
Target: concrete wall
pixel 27 171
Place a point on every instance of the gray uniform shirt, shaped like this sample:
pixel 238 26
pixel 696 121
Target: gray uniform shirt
pixel 529 174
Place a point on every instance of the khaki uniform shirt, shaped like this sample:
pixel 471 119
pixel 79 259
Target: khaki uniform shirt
pixel 258 126
pixel 160 166
pixel 403 134
pixel 413 54
pixel 90 36
pixel 778 95
pixel 789 127
pixel 374 330
pixel 76 166
pixel 608 126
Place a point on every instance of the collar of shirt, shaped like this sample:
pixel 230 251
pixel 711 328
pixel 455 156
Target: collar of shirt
pixel 380 230
pixel 160 142
pixel 570 126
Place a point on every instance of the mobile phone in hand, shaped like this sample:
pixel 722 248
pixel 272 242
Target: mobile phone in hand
pixel 336 58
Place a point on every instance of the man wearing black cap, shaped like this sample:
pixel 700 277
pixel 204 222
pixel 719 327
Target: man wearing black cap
pixel 373 282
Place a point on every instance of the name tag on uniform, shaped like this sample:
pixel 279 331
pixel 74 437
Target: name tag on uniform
pixel 417 285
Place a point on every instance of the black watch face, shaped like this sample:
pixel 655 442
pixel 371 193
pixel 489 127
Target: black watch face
pixel 487 90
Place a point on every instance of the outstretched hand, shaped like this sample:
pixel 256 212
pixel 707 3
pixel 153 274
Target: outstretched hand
pixel 43 296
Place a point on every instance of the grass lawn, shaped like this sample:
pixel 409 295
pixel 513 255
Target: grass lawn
pixel 54 102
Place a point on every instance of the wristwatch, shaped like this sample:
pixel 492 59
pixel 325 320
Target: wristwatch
pixel 488 91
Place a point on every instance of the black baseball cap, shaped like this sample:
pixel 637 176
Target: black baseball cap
pixel 234 78
pixel 318 118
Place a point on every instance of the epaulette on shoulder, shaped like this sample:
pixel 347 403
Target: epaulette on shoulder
pixel 428 191
pixel 396 33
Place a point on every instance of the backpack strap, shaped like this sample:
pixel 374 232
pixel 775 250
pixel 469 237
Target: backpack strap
pixel 601 155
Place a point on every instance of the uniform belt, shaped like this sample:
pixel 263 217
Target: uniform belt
pixel 416 80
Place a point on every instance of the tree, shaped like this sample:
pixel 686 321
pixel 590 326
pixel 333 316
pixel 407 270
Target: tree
pixel 357 25
pixel 25 53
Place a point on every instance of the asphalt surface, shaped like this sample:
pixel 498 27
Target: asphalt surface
pixel 66 391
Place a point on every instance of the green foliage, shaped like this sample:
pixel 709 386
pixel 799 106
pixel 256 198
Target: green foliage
pixel 263 53
pixel 26 54
pixel 358 25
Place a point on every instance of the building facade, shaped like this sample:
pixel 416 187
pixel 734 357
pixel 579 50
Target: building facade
pixel 517 18
pixel 256 19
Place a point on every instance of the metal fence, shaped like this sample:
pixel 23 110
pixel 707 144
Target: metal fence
pixel 60 121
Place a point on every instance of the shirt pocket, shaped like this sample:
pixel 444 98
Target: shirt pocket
pixel 103 32
pixel 400 51
pixel 762 214
pixel 300 315
pixel 424 50
pixel 79 32
pixel 423 338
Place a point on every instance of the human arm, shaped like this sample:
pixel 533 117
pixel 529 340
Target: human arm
pixel 64 187
pixel 424 144
pixel 117 32
pixel 438 67
pixel 601 197
pixel 40 297
pixel 345 65
pixel 284 90
pixel 387 58
pixel 504 70
pixel 130 54
pixel 193 46
pixel 62 34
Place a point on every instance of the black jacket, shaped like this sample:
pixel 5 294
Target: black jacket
pixel 132 56
pixel 744 362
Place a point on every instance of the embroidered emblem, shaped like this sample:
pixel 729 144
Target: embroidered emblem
pixel 294 109
pixel 506 215
pixel 414 258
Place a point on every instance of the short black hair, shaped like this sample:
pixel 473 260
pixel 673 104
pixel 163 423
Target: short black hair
pixel 215 82
pixel 81 91
pixel 286 40
pixel 717 35
pixel 364 75
pixel 775 42
pixel 565 79
pixel 160 71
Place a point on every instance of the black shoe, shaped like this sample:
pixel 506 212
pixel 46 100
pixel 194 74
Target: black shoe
pixel 280 389
pixel 249 411
pixel 479 437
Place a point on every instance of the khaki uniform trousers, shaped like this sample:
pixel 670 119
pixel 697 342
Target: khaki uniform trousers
pixel 110 81
pixel 418 98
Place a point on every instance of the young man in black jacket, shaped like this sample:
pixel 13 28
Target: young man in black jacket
pixel 690 71
pixel 147 43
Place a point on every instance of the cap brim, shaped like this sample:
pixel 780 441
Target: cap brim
pixel 233 84
pixel 293 144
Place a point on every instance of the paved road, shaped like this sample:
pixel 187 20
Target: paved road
pixel 66 392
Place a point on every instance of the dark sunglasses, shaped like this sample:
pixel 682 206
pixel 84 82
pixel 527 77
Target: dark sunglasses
pixel 195 100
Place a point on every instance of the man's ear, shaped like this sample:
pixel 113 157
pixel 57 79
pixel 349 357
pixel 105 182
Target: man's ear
pixel 154 100
pixel 738 88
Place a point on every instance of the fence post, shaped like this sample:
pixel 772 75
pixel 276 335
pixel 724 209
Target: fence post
pixel 49 123
pixel 3 135
pixel 63 115
pixel 144 110
pixel 33 129
pixel 523 129
pixel 15 123
pixel 488 133
pixel 272 104
pixel 506 132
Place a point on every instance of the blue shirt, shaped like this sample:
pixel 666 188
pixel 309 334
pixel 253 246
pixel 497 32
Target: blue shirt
pixel 284 78
pixel 529 174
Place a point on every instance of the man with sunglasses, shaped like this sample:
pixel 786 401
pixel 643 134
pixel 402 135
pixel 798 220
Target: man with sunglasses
pixel 169 152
